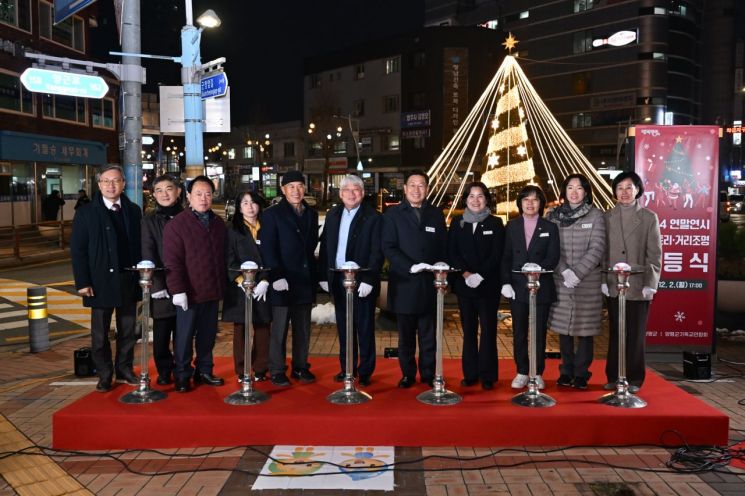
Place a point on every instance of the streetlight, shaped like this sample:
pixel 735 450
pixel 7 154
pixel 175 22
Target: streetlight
pixel 355 136
pixel 191 64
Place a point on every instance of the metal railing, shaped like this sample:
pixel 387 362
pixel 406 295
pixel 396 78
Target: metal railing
pixel 33 240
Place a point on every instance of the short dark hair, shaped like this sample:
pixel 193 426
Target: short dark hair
pixel 200 179
pixel 634 179
pixel 237 220
pixel 582 181
pixel 108 167
pixel 527 191
pixel 167 177
pixel 415 172
pixel 484 189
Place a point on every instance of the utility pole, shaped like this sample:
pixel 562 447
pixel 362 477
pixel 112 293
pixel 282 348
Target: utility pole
pixel 191 65
pixel 132 94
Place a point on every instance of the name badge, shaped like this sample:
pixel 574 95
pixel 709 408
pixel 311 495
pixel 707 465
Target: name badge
pixel 487 233
pixel 429 229
pixel 587 226
pixel 258 241
pixel 543 235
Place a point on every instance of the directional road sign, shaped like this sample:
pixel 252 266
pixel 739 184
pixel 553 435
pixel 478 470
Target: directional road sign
pixel 64 83
pixel 65 8
pixel 215 85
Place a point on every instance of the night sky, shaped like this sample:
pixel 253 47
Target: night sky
pixel 264 42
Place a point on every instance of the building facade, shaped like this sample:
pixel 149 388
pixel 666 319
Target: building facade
pixel 48 142
pixel 603 65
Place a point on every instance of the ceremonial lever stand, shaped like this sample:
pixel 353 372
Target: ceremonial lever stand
pixel 622 397
pixel 247 395
pixel 533 397
pixel 438 395
pixel 143 393
pixel 349 395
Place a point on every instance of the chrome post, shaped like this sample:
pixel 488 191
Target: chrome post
pixel 349 395
pixel 247 395
pixel 622 397
pixel 438 395
pixel 144 393
pixel 533 397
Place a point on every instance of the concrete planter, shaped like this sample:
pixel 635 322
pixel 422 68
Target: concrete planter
pixel 730 296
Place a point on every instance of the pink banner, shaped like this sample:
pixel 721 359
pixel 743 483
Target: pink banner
pixel 679 167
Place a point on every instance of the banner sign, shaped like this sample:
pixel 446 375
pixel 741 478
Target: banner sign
pixel 678 166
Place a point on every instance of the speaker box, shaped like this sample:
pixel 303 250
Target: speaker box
pixel 696 365
pixel 84 363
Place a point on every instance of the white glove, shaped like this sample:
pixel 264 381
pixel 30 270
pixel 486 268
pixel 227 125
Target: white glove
pixel 180 300
pixel 324 285
pixel 604 290
pixel 570 278
pixel 508 292
pixel 648 293
pixel 474 280
pixel 280 285
pixel 364 289
pixel 416 268
pixel 260 291
pixel 159 295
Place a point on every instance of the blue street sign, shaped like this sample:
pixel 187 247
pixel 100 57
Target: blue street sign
pixel 65 8
pixel 64 83
pixel 214 86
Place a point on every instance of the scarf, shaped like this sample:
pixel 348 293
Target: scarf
pixel 474 217
pixel 171 211
pixel 565 215
pixel 252 228
pixel 204 217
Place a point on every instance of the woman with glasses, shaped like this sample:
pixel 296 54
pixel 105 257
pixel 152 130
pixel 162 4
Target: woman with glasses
pixel 243 246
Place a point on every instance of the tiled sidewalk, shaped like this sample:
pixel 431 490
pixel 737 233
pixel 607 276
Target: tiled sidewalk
pixel 27 400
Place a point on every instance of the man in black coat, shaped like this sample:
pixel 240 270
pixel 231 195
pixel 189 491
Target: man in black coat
pixel 288 236
pixel 414 236
pixel 105 241
pixel 351 233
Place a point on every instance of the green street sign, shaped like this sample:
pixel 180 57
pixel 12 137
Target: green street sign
pixel 64 83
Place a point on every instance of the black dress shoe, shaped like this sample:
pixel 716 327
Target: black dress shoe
pixel 406 382
pixel 429 381
pixel 164 379
pixel 340 377
pixel 260 376
pixel 129 377
pixel 579 383
pixel 182 385
pixel 468 382
pixel 564 380
pixel 303 375
pixel 487 385
pixel 280 380
pixel 364 380
pixel 209 379
pixel 103 386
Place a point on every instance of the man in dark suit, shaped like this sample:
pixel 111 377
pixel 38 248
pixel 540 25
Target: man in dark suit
pixel 414 236
pixel 529 239
pixel 194 253
pixel 105 241
pixel 288 236
pixel 351 233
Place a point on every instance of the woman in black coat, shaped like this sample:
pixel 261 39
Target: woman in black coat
pixel 167 193
pixel 243 246
pixel 475 244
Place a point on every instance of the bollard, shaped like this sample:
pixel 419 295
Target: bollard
pixel 38 320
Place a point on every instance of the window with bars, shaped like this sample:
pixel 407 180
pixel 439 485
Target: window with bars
pixel 70 32
pixel 64 108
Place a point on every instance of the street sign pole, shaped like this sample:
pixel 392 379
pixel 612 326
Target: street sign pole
pixel 193 117
pixel 131 89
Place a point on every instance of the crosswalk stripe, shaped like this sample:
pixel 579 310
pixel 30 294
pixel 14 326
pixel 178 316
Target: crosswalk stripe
pixel 17 313
pixel 18 324
pixel 63 305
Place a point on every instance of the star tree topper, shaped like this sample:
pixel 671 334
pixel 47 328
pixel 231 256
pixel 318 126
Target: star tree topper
pixel 510 42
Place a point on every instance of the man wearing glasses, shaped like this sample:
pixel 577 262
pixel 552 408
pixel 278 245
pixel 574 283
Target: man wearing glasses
pixel 105 242
pixel 194 254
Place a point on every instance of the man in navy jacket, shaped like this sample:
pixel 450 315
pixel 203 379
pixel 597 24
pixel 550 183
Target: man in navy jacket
pixel 105 241
pixel 414 235
pixel 351 233
pixel 288 239
pixel 196 273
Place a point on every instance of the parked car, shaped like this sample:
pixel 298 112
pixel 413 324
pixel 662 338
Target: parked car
pixel 724 207
pixel 736 203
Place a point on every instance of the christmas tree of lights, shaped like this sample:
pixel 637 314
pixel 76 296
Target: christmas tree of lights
pixel 510 139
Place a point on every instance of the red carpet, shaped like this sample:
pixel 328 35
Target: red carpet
pixel 301 415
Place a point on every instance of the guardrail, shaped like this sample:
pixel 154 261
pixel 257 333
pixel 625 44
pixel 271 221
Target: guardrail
pixel 33 240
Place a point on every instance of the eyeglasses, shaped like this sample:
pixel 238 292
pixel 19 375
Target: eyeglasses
pixel 107 182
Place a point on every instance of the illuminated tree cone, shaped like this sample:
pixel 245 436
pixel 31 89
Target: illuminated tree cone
pixel 509 162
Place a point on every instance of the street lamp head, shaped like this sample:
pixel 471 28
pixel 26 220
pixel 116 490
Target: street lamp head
pixel 328 136
pixel 209 19
pixel 266 136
